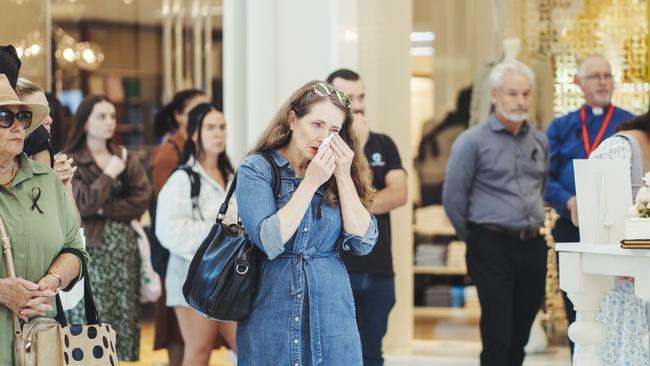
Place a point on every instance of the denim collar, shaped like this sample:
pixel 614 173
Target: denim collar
pixel 280 160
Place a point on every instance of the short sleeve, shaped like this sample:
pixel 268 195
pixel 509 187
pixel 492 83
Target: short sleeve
pixel 615 147
pixel 393 159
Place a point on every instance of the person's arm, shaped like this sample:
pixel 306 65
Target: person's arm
pixel 394 194
pixel 137 192
pixel 461 169
pixel 178 228
pixel 360 228
pixel 268 227
pixel 555 193
pixel 391 196
pixel 90 196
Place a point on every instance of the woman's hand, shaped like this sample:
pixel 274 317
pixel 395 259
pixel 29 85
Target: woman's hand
pixel 321 167
pixel 17 294
pixel 343 156
pixel 41 299
pixel 115 167
pixel 63 167
pixel 37 306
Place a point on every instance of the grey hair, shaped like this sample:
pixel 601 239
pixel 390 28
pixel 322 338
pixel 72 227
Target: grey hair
pixel 582 66
pixel 499 72
pixel 27 87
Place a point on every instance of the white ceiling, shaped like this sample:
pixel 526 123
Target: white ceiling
pixel 129 11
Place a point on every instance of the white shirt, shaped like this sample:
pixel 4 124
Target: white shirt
pixel 182 230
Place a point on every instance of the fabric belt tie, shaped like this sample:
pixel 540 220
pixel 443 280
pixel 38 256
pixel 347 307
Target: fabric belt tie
pixel 301 262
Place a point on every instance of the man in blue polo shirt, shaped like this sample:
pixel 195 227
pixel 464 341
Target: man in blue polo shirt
pixel 575 136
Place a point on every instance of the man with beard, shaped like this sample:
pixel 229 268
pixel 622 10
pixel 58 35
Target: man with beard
pixel 575 136
pixel 493 195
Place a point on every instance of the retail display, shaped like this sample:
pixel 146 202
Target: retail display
pixel 637 229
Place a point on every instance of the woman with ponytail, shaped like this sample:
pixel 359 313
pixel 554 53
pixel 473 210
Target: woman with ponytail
pixel 181 225
pixel 170 125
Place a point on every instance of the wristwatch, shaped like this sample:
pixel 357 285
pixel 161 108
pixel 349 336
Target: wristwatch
pixel 59 286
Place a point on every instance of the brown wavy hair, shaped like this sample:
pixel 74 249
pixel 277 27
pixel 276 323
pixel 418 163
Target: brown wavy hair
pixel 278 135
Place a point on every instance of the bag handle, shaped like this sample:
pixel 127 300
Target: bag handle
pixel 92 317
pixel 6 249
pixel 276 184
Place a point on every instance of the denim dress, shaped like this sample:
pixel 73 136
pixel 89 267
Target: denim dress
pixel 303 312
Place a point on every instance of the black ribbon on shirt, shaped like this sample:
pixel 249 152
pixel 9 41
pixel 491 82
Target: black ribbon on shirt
pixel 36 195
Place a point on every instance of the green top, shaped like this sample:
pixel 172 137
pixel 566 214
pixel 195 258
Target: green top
pixel 36 238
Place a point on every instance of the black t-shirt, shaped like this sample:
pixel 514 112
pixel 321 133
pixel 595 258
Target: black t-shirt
pixel 383 157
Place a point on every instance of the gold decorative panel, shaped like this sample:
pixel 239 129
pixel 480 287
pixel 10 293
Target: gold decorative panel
pixel 569 30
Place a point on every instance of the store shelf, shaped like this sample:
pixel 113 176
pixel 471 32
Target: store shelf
pixel 435 312
pixel 440 270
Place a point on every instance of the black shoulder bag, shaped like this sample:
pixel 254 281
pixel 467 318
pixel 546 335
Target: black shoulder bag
pixel 222 278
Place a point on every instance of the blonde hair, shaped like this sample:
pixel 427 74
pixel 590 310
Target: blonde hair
pixel 26 88
pixel 279 133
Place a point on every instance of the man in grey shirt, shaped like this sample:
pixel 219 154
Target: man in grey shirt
pixel 493 195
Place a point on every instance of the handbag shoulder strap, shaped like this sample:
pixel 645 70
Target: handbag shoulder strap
pixel 11 272
pixel 275 172
pixel 195 184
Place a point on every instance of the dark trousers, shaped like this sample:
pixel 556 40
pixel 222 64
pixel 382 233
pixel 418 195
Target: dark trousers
pixel 565 232
pixel 510 276
pixel 374 297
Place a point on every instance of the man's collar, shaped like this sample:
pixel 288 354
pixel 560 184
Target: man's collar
pixel 593 111
pixel 496 125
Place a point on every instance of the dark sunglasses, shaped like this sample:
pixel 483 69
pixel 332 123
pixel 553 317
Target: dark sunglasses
pixel 324 90
pixel 8 117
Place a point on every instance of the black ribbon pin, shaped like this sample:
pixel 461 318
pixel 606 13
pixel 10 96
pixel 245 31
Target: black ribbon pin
pixel 36 195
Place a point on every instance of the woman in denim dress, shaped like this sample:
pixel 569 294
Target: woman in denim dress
pixel 303 312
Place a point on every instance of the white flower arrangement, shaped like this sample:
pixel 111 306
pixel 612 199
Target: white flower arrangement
pixel 641 206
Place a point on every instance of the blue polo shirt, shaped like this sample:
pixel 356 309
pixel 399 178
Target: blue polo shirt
pixel 565 144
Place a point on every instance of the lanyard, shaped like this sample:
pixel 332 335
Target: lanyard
pixel 585 135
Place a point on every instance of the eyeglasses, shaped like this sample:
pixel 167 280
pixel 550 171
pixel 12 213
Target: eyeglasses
pixel 8 117
pixel 324 90
pixel 597 77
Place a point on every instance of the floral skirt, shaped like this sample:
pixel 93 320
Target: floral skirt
pixel 115 278
pixel 626 318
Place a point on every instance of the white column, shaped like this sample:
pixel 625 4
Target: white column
pixel 271 48
pixel 385 66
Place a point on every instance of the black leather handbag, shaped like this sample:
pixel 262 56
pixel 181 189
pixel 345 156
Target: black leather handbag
pixel 223 275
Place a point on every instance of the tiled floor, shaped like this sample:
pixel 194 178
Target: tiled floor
pixel 464 353
pixel 149 357
pixel 423 353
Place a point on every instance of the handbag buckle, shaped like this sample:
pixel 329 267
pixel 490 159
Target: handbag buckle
pixel 241 269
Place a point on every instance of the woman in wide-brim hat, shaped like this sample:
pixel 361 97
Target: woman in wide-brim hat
pixel 39 220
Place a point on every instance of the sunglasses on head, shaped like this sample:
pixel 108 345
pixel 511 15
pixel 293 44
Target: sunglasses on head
pixel 324 90
pixel 8 117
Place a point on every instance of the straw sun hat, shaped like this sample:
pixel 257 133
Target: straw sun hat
pixel 8 97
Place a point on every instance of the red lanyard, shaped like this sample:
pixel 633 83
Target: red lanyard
pixel 585 134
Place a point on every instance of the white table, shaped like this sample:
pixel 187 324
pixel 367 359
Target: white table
pixel 586 273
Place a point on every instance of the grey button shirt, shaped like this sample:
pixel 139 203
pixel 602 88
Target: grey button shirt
pixel 494 177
